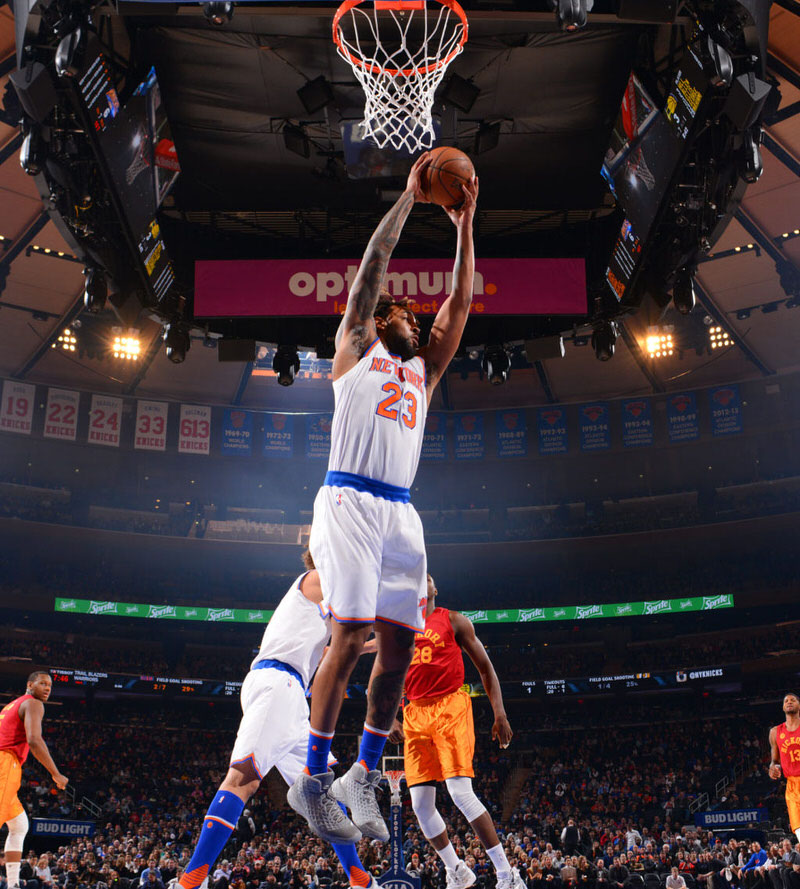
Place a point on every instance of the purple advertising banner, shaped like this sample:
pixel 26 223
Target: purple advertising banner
pixel 234 288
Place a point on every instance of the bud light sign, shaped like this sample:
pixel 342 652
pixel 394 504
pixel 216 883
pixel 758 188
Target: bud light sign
pixel 58 827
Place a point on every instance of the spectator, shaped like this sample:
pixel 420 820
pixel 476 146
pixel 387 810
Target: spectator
pixel 570 837
pixel 675 880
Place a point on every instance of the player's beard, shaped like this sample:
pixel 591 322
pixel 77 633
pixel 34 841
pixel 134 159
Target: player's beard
pixel 401 346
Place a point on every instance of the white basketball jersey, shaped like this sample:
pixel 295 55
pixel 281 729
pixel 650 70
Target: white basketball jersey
pixel 296 634
pixel 379 420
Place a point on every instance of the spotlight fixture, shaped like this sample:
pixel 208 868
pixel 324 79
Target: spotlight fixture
pixel 33 152
pixel 316 94
pixel 176 339
pixel 659 343
pixel 461 93
pixel 296 140
pixel 768 308
pixel 496 364
pixel 742 314
pixel 604 339
pixel 96 290
pixel 718 337
pixel 127 347
pixel 217 12
pixel 286 364
pixel 683 297
pixel 66 341
pixel 571 15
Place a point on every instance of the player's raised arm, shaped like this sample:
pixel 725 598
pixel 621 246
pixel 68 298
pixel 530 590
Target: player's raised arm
pixel 473 647
pixel 448 326
pixel 32 717
pixel 357 329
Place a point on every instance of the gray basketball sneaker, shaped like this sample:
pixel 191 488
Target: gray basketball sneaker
pixel 459 877
pixel 356 789
pixel 310 796
pixel 514 881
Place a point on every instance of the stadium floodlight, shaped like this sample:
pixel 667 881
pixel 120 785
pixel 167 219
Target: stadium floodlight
pixel 659 343
pixel 604 339
pixel 718 337
pixel 66 340
pixel 286 364
pixel 127 347
pixel 218 12
pixel 496 364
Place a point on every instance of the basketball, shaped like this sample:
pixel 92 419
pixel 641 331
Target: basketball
pixel 449 169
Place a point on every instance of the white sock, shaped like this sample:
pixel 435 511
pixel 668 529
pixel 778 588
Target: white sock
pixel 448 856
pixel 12 873
pixel 498 858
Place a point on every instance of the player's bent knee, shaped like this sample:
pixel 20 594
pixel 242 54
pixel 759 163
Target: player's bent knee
pixel 17 831
pixel 462 794
pixel 423 801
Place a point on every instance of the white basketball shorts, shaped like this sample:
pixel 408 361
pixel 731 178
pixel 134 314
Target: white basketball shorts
pixel 274 726
pixel 370 554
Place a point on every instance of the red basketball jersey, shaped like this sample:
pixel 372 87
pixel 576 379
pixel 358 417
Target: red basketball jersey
pixel 789 747
pixel 12 729
pixel 437 668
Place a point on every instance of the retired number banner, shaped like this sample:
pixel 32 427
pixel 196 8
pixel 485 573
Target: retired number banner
pixel 151 426
pixel 61 415
pixel 194 433
pixel 16 412
pixel 105 419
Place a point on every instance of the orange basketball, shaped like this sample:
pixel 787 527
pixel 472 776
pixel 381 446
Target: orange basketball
pixel 449 169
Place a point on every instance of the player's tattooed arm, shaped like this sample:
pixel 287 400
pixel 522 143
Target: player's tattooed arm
pixel 357 329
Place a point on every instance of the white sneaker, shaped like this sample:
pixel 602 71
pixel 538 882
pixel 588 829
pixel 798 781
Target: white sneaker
pixel 459 877
pixel 514 881
pixel 310 796
pixel 356 789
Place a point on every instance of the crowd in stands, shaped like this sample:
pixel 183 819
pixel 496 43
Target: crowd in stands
pixel 596 808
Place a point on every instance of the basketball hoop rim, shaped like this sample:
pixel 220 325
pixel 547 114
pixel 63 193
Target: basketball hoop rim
pixel 453 5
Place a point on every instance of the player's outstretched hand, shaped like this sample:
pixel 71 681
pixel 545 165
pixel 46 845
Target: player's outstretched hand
pixel 60 780
pixel 462 215
pixel 501 731
pixel 414 183
pixel 397 735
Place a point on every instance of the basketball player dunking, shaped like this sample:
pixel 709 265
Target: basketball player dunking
pixel 439 736
pixel 20 732
pixel 366 537
pixel 784 744
pixel 274 726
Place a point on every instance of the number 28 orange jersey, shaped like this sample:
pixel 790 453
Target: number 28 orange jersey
pixel 438 665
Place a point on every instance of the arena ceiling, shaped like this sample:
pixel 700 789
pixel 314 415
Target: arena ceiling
pixel 228 93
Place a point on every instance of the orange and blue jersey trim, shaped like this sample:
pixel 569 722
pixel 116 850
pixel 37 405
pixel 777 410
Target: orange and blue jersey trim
pixel 336 479
pixel 251 758
pixel 350 620
pixel 371 346
pixel 399 623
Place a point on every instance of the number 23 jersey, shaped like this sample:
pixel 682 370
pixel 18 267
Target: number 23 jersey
pixel 379 419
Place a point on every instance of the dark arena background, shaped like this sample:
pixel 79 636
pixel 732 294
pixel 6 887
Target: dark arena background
pixel 610 476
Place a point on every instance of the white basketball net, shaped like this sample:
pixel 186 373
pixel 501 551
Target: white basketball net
pixel 400 56
pixel 395 778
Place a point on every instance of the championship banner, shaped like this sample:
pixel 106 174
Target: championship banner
pixel 682 420
pixel 278 435
pixel 637 423
pixel 61 414
pixel 194 433
pixel 731 818
pixel 61 828
pixel 595 431
pixel 105 419
pixel 726 410
pixel 237 432
pixel 235 288
pixel 434 441
pixel 151 426
pixel 468 440
pixel 163 612
pixel 511 430
pixel 318 436
pixel 552 423
pixel 16 412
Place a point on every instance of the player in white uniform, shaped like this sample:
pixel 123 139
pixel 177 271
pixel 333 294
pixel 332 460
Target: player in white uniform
pixel 274 726
pixel 366 537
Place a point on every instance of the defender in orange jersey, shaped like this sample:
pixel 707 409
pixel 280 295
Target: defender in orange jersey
pixel 20 732
pixel 784 744
pixel 439 737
